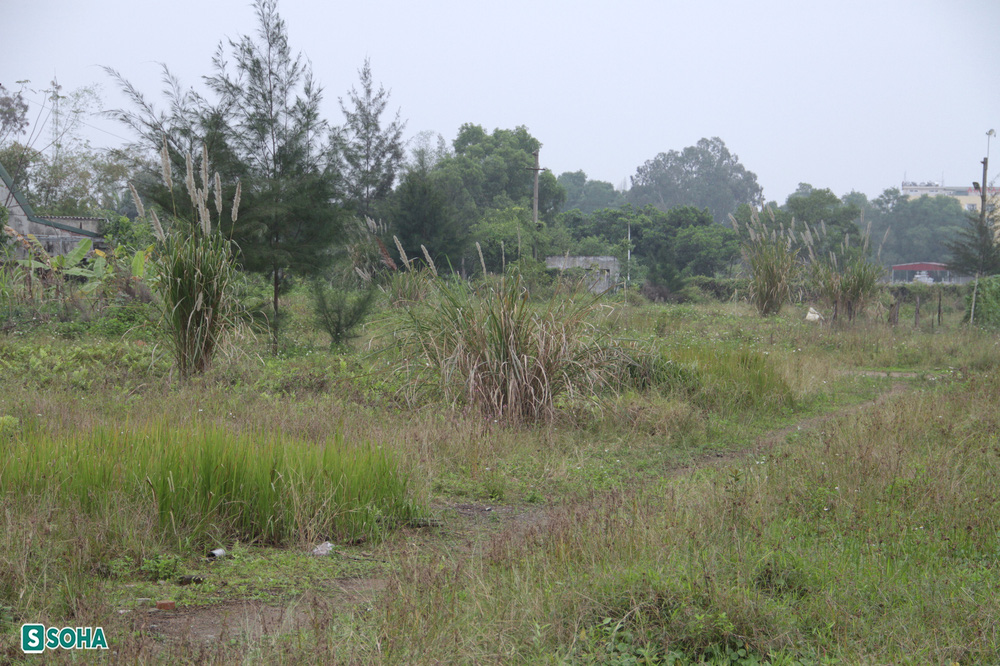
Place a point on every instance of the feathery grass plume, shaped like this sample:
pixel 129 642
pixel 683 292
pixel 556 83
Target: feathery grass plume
pixel 491 349
pixel 236 201
pixel 189 181
pixel 165 165
pixel 218 195
pixel 138 202
pixel 157 227
pixel 849 282
pixel 772 260
pixel 204 169
pixel 384 253
pixel 386 257
pixel 198 275
pixel 482 262
pixel 206 218
pixel 198 270
pixel 402 253
pixel 430 262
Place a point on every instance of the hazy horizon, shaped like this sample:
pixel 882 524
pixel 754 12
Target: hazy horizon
pixel 846 95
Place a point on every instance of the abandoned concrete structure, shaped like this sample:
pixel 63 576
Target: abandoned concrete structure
pixel 601 272
pixel 58 235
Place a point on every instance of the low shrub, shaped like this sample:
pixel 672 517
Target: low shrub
pixel 339 311
pixel 987 303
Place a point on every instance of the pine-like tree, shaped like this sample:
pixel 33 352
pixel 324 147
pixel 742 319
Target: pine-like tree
pixel 421 216
pixel 268 116
pixel 976 251
pixel 367 155
pixel 264 130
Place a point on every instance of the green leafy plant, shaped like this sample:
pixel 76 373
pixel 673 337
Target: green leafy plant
pixel 987 302
pixel 160 567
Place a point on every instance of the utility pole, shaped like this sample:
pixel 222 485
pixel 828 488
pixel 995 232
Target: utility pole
pixel 985 187
pixel 982 219
pixel 537 169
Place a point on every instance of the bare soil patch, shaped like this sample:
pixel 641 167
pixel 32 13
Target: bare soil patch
pixel 248 620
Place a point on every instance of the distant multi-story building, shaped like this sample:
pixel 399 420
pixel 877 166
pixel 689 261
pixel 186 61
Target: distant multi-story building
pixel 968 196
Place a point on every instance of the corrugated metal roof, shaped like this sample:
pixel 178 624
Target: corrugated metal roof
pixel 921 266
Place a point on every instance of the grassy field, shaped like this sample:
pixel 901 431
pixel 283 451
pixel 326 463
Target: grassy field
pixel 677 484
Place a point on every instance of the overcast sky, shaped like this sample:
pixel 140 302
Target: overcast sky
pixel 844 94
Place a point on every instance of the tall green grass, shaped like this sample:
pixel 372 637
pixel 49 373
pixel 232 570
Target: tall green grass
pixel 772 258
pixel 489 347
pixel 195 270
pixel 848 281
pixel 870 541
pixel 196 276
pixel 206 485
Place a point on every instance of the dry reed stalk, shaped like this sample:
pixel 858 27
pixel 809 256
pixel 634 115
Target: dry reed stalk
pixel 430 262
pixel 402 253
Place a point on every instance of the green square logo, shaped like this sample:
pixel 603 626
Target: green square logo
pixel 32 638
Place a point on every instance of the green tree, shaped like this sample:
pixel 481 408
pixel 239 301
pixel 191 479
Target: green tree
pixel 656 243
pixel 706 175
pixel 421 215
pixel 705 250
pixel 825 213
pixel 264 131
pixel 908 230
pixel 588 195
pixel 269 125
pixel 668 245
pixel 367 155
pixel 976 251
pixel 920 229
pixel 13 114
pixel 506 235
pixel 485 169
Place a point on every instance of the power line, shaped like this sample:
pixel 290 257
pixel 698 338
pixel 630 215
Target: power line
pixel 94 127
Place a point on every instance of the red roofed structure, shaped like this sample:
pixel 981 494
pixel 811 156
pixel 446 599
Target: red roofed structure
pixel 930 269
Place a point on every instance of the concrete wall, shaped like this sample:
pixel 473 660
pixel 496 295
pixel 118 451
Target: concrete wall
pixel 602 272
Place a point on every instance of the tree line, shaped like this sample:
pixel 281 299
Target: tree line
pixel 308 185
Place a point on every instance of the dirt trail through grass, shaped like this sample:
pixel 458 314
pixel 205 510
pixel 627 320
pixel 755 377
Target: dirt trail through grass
pixel 461 530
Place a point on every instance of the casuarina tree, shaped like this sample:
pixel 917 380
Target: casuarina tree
pixel 366 153
pixel 269 117
pixel 263 130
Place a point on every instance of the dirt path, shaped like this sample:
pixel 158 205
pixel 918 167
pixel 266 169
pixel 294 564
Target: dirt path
pixel 771 439
pixel 461 529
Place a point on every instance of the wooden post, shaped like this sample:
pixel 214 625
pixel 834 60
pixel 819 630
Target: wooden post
pixel 916 314
pixel 535 205
pixel 982 220
pixel 534 218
